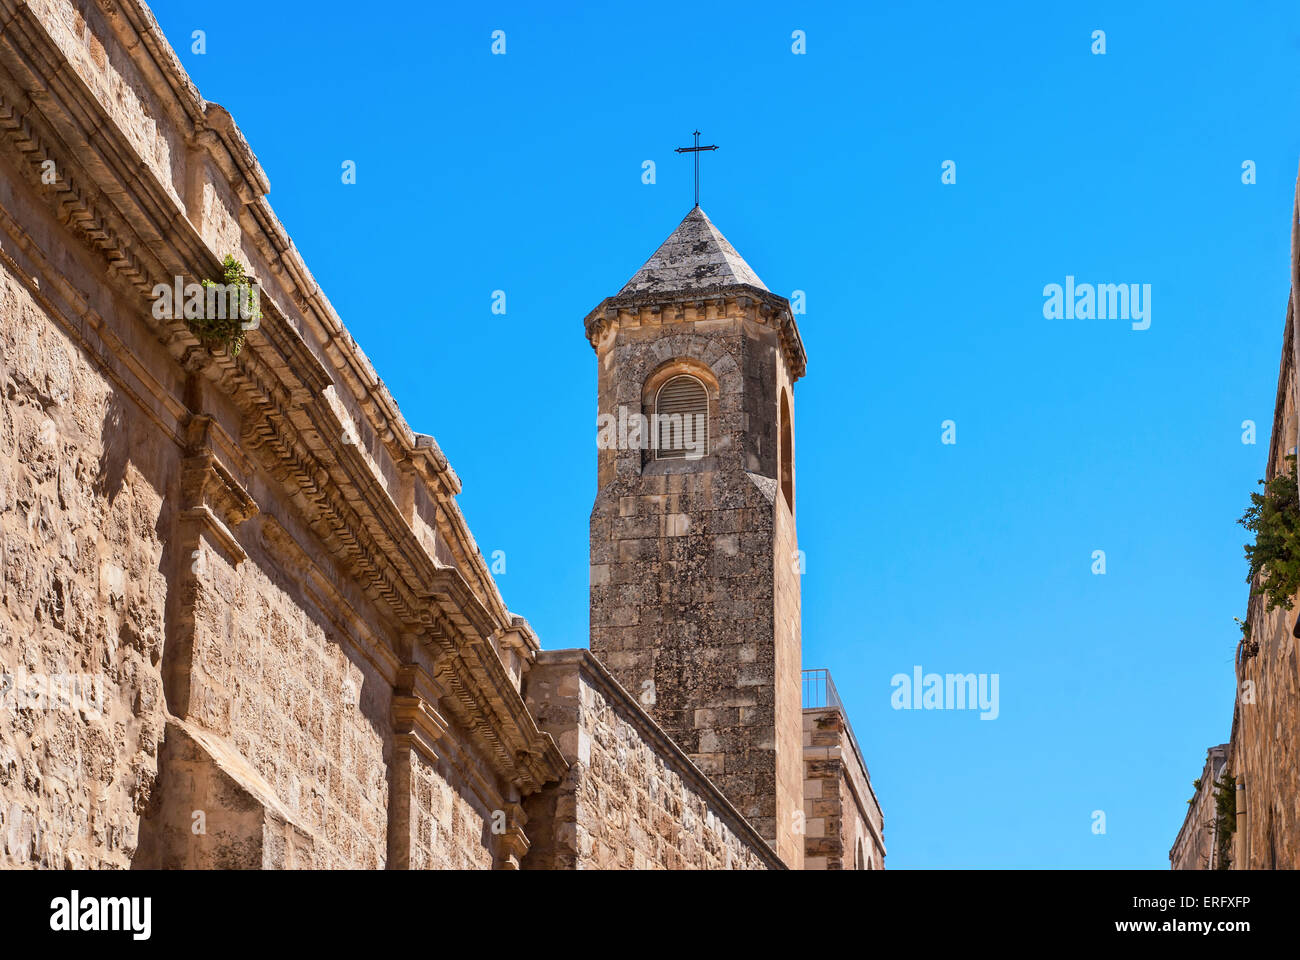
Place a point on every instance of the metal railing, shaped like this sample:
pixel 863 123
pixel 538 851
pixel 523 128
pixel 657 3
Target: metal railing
pixel 819 690
pixel 819 693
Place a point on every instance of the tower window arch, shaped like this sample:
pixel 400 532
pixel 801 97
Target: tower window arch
pixel 681 419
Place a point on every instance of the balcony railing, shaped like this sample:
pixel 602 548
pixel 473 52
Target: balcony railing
pixel 819 693
pixel 819 690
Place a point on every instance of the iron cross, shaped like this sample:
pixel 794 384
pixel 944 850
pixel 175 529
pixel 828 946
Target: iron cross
pixel 696 150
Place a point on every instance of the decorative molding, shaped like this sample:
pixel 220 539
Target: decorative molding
pixel 513 844
pixel 737 301
pixel 207 482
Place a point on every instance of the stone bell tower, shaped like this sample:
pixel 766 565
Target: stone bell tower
pixel 694 568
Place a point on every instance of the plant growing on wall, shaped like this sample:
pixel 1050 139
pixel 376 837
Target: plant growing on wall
pixel 1225 819
pixel 238 310
pixel 1249 647
pixel 1274 518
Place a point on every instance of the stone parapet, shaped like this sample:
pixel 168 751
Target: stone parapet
pixel 632 798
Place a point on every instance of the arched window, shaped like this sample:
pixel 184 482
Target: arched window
pixel 681 419
pixel 859 864
pixel 787 452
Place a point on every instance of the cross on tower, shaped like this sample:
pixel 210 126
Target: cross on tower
pixel 696 150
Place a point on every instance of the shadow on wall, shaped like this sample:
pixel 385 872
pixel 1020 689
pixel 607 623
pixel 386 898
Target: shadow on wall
pixel 116 434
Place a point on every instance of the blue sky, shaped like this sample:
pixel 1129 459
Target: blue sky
pixel 523 172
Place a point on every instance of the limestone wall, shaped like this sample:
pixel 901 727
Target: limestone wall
pixel 844 827
pixel 81 542
pixel 694 596
pixel 282 681
pixel 1265 743
pixel 631 799
pixel 452 827
pixel 1194 848
pixel 300 658
pixel 787 675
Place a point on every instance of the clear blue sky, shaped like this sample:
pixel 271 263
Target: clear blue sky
pixel 523 173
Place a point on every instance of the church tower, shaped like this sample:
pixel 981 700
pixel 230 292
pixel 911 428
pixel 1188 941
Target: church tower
pixel 694 558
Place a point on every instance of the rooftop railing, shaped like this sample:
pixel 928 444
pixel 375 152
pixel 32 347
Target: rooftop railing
pixel 819 690
pixel 819 693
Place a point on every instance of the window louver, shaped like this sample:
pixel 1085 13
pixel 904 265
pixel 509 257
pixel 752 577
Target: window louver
pixel 681 424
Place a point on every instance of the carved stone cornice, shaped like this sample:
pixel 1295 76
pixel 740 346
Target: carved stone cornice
pixel 206 481
pixel 520 638
pixel 512 843
pixel 416 720
pixel 482 697
pixel 210 494
pixel 736 301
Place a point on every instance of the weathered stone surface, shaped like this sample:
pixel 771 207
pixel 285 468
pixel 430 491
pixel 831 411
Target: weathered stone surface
pixel 83 597
pixel 297 654
pixel 631 799
pixel 213 811
pixel 695 575
pixel 845 829
pixel 1195 847
pixel 695 257
pixel 1264 748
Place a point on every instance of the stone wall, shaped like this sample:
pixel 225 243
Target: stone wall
pixel 844 827
pixel 631 799
pixel 81 542
pixel 452 829
pixel 1264 751
pixel 694 587
pixel 298 655
pixel 1194 848
pixel 282 680
pixel 787 616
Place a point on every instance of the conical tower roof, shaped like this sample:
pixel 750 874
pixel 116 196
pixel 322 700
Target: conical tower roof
pixel 695 257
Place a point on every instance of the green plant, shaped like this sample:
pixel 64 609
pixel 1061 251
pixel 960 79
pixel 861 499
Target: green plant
pixel 225 320
pixel 1225 819
pixel 1249 647
pixel 1274 518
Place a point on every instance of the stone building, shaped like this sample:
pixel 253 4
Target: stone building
pixel 1263 750
pixel 1264 746
pixel 1197 844
pixel 845 827
pixel 243 622
pixel 694 563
